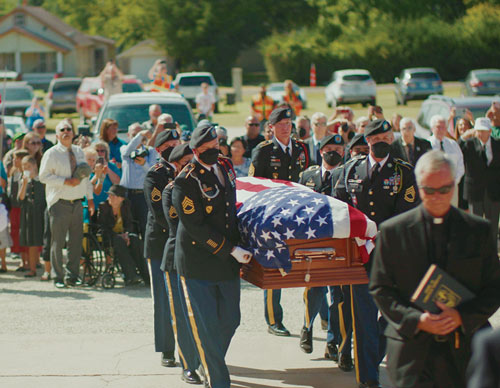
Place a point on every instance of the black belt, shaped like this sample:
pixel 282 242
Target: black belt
pixel 135 191
pixel 72 201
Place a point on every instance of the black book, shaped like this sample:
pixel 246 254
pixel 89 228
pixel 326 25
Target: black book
pixel 439 286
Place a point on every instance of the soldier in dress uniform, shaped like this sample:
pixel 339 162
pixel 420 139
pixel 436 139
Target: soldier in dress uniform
pixel 180 156
pixel 280 158
pixel 381 187
pixel 206 253
pixel 319 178
pixel 155 238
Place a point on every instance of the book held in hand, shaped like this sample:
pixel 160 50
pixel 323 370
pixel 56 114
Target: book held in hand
pixel 439 286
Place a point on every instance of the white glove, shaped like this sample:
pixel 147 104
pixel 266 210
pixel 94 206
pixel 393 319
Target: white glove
pixel 241 255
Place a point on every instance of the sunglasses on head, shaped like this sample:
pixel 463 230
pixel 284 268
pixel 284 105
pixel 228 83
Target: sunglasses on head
pixel 441 190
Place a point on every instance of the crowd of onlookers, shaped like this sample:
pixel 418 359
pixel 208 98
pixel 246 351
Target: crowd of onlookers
pixel 24 215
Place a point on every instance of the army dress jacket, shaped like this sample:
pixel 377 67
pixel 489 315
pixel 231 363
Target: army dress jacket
pixel 208 229
pixel 167 261
pixel 391 192
pixel 313 179
pixel 156 233
pixel 270 161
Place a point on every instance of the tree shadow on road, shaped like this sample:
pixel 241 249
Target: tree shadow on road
pixel 63 293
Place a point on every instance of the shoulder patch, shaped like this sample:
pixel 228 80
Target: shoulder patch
pixel 313 168
pixel 401 162
pixel 187 170
pixel 155 195
pixel 157 166
pixel 264 143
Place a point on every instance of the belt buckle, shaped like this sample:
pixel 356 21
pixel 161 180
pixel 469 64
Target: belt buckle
pixel 440 338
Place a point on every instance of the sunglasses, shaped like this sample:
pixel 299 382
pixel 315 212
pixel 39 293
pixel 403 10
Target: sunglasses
pixel 254 124
pixel 68 129
pixel 101 151
pixel 35 143
pixel 441 190
pixel 40 127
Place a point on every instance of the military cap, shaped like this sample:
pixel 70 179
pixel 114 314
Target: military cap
pixel 118 190
pixel 202 134
pixel 279 114
pixel 170 134
pixel 335 139
pixel 357 140
pixel 179 152
pixel 377 126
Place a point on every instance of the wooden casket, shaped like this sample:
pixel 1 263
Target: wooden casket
pixel 320 262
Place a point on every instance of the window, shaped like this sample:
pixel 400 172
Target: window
pixel 38 62
pixel 19 20
pixel 7 61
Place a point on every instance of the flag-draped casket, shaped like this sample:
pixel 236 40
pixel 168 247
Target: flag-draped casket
pixel 299 237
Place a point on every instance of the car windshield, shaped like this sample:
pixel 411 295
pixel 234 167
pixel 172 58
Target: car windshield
pixel 66 87
pixel 131 88
pixel 195 80
pixel 17 94
pixel 281 88
pixel 492 76
pixel 356 77
pixel 424 75
pixel 129 114
pixel 14 127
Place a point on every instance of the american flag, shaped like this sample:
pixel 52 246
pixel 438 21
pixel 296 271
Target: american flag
pixel 272 211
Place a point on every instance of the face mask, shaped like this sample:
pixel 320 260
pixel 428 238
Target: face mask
pixel 166 153
pixel 332 158
pixel 381 149
pixel 302 132
pixel 209 156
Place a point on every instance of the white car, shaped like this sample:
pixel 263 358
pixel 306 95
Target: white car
pixel 14 124
pixel 351 86
pixel 189 85
pixel 276 91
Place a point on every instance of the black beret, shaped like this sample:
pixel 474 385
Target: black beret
pixel 357 140
pixel 377 126
pixel 331 139
pixel 279 114
pixel 169 134
pixel 179 152
pixel 118 190
pixel 202 134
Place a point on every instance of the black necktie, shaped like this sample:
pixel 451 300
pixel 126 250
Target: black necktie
pixel 287 159
pixel 326 176
pixel 411 154
pixel 483 154
pixel 326 183
pixel 375 171
pixel 442 147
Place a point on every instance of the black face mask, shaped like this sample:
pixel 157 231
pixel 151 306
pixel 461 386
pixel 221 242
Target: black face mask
pixel 332 158
pixel 302 132
pixel 166 153
pixel 381 149
pixel 209 156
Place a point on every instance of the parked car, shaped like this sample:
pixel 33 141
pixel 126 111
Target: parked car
pixel 189 85
pixel 276 91
pixel 16 99
pixel 8 75
pixel 482 82
pixel 128 108
pixel 351 86
pixel 61 95
pixel 417 83
pixel 442 105
pixel 14 124
pixel 90 95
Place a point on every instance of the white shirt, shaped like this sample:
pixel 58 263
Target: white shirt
pixel 452 149
pixel 487 149
pixel 372 162
pixel 205 102
pixel 55 168
pixel 283 147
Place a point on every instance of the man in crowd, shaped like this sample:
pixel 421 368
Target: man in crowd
pixel 205 102
pixel 482 173
pixel 303 125
pixel 292 98
pixel 252 135
pixel 280 158
pixel 154 113
pixel 381 187
pixel 40 129
pixel 426 349
pixel 439 141
pixel 318 125
pixel 408 147
pixel 206 252
pixel 361 124
pixel 163 120
pixel 64 195
pixel 262 105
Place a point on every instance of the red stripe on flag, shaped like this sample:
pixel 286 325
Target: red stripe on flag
pixel 358 222
pixel 253 187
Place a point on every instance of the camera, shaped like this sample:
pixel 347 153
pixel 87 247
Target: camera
pixel 169 126
pixel 139 153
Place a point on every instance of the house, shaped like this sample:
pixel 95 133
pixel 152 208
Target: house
pixel 39 45
pixel 139 58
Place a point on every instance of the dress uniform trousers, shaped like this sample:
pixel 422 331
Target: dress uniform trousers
pixel 186 346
pixel 272 306
pixel 164 333
pixel 213 311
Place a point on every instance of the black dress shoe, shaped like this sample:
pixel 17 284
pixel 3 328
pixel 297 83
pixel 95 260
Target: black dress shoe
pixel 331 352
pixel 190 377
pixel 73 282
pixel 279 330
pixel 345 364
pixel 306 340
pixel 370 384
pixel 168 360
pixel 59 284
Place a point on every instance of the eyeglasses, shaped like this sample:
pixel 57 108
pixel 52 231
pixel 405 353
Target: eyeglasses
pixel 441 190
pixel 34 142
pixel 101 151
pixel 40 127
pixel 68 129
pixel 254 124
pixel 319 124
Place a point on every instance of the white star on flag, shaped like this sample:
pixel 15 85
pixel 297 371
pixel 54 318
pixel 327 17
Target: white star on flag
pixel 276 235
pixel 276 221
pixel 309 210
pixel 289 233
pixel 299 220
pixel 321 220
pixel 265 235
pixel 311 233
pixel 285 212
pixel 317 201
pixel 303 195
pixel 269 255
pixel 293 202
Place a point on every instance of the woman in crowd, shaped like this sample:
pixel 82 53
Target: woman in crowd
pixel 240 163
pixel 34 112
pixel 108 133
pixel 5 240
pixel 17 144
pixel 104 175
pixel 33 144
pixel 32 198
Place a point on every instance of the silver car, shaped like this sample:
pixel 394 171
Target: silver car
pixel 351 86
pixel 276 91
pixel 482 82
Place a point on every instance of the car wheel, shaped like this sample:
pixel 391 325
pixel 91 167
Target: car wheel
pixel 216 110
pixel 364 104
pixel 329 104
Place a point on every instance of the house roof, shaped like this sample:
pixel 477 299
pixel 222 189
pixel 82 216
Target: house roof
pixel 53 22
pixel 130 51
pixel 39 38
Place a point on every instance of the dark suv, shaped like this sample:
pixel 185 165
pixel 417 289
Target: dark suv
pixel 61 95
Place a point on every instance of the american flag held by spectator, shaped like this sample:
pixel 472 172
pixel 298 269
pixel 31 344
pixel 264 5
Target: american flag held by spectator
pixel 273 211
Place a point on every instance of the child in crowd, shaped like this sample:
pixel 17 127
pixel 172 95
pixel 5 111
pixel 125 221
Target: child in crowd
pixel 32 198
pixel 5 240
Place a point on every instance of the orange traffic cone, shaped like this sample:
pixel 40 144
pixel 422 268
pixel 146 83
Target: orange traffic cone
pixel 312 75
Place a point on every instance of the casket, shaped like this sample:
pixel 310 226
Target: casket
pixel 319 262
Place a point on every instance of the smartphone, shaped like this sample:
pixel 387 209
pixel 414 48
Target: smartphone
pixel 100 160
pixel 26 174
pixel 169 126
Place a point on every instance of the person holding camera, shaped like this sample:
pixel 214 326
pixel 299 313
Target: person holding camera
pixel 165 123
pixel 137 159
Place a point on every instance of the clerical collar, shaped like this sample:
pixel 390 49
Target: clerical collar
pixel 434 220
